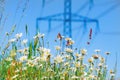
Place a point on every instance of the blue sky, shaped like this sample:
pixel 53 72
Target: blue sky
pixel 108 39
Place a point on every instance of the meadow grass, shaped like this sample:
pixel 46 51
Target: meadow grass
pixel 22 59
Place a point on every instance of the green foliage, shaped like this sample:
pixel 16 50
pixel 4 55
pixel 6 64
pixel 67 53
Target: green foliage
pixel 30 50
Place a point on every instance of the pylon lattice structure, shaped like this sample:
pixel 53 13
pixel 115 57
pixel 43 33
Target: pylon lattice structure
pixel 67 17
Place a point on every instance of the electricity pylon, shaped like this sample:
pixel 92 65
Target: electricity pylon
pixel 67 17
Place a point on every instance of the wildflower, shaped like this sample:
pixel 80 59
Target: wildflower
pixel 111 71
pixel 15 76
pixel 69 42
pixel 77 55
pixel 49 70
pixel 68 57
pixel 97 50
pixel 68 39
pixel 83 51
pixel 90 60
pixel 62 78
pixel 91 76
pixel 74 77
pixel 35 37
pixel 25 51
pixel 66 63
pixel 37 59
pixel 46 51
pixel 19 35
pixel 20 50
pixel 105 66
pixel 58 59
pixel 59 36
pixel 24 68
pixel 30 63
pixel 85 73
pixel 57 47
pixel 41 65
pixel 95 56
pixel 17 70
pixel 65 73
pixel 100 64
pixel 62 53
pixel 7 33
pixel 12 63
pixel 44 78
pixel 112 75
pixel 43 58
pixel 23 58
pixel 45 55
pixel 24 41
pixel 107 53
pixel 68 50
pixel 9 59
pixel 12 53
pixel 80 58
pixel 77 64
pixel 43 50
pixel 88 43
pixel 8 71
pixel 90 34
pixel 12 40
pixel 102 59
pixel 39 35
pixel 73 69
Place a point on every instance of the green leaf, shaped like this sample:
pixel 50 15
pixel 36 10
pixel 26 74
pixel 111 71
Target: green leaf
pixel 13 29
pixel 30 50
pixel 26 29
pixel 35 45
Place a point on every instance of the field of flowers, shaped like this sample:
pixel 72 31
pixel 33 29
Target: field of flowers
pixel 22 59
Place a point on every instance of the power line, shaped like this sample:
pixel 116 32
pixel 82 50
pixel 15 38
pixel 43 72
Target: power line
pixel 107 11
pixel 68 16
